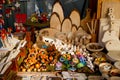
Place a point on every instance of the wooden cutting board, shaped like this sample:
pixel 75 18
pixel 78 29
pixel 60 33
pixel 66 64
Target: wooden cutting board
pixel 66 25
pixel 86 20
pixel 55 21
pixel 57 7
pixel 75 17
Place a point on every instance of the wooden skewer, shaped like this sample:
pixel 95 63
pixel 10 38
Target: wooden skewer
pixel 89 28
pixel 92 29
pixel 95 26
pixel 92 26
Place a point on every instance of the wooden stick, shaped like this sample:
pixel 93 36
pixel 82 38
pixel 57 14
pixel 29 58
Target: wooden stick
pixel 92 26
pixel 89 28
pixel 95 25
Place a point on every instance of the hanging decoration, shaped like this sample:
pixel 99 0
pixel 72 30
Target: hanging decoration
pixel 2 1
pixel 17 5
pixel 19 27
pixel 8 12
pixel 20 18
pixel 9 8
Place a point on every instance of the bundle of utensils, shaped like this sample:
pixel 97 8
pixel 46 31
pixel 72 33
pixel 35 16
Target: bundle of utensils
pixel 92 26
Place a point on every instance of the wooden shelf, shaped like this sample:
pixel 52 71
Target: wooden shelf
pixel 36 24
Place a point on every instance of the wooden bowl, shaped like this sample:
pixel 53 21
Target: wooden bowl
pixel 114 55
pixel 105 67
pixel 94 47
pixel 117 64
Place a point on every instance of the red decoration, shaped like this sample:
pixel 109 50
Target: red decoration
pixel 3 34
pixel 9 30
pixel 17 28
pixel 2 21
pixel 1 6
pixel 20 18
pixel 20 27
pixel 8 12
pixel 14 65
pixel 44 18
pixel 2 1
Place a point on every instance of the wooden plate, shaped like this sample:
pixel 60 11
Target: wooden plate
pixel 105 67
pixel 117 64
pixel 115 55
pixel 55 21
pixel 94 47
pixel 57 7
pixel 66 25
pixel 75 17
